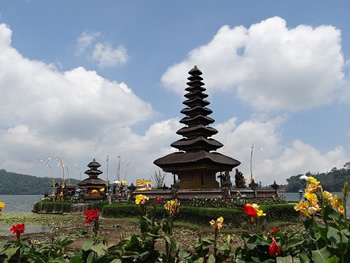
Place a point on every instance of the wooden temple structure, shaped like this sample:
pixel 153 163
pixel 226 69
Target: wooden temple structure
pixel 93 188
pixel 197 162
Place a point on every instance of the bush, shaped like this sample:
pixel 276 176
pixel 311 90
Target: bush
pixel 280 212
pixel 200 215
pixel 52 207
pixel 97 205
pixel 120 210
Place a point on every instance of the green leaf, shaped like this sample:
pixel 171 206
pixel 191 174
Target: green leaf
pixel 200 260
pixel 211 259
pixel 183 254
pixel 11 251
pixel 87 245
pixel 320 255
pixel 333 235
pixel 333 259
pixel 117 260
pixel 100 249
pixel 293 243
pixel 287 259
pixel 76 259
pixel 90 258
pixel 133 243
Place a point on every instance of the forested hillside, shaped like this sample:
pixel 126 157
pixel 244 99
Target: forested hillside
pixel 21 184
pixel 332 181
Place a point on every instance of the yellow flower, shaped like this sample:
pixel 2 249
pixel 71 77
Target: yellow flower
pixel 172 206
pixel 141 199
pixel 312 180
pixel 328 196
pixel 2 205
pixel 311 197
pixel 217 224
pixel 259 212
pixel 302 207
pixel 337 202
pixel 312 210
pixel 341 210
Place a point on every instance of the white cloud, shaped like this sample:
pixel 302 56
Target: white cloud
pixel 275 162
pixel 106 56
pixel 103 53
pixel 45 112
pixel 270 66
pixel 85 40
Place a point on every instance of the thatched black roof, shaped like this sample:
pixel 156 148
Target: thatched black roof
pixel 196 149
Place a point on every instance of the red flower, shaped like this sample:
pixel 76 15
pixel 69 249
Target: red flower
pixel 158 200
pixel 274 248
pixel 17 229
pixel 91 215
pixel 274 231
pixel 249 210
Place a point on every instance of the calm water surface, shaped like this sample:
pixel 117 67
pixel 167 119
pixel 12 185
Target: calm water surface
pixel 19 203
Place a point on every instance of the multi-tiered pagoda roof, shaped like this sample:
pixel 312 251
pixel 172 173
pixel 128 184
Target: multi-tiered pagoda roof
pixel 196 148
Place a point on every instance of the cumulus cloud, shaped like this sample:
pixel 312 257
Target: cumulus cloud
pixel 101 52
pixel 85 40
pixel 275 161
pixel 45 112
pixel 106 56
pixel 270 66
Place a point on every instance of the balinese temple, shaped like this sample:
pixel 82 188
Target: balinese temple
pixel 197 162
pixel 93 187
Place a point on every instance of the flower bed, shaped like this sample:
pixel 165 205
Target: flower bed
pixel 326 237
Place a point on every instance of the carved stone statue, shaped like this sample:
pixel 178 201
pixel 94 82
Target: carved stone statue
pixel 239 180
pixel 226 179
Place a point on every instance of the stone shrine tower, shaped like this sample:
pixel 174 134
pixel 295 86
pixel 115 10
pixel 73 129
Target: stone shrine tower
pixel 196 163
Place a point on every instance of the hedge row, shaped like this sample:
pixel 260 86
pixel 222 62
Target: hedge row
pixel 52 207
pixel 97 205
pixel 200 215
pixel 283 212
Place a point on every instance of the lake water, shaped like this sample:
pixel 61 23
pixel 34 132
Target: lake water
pixel 19 203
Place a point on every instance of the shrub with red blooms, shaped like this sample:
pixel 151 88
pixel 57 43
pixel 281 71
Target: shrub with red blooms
pixel 274 248
pixel 18 229
pixel 91 215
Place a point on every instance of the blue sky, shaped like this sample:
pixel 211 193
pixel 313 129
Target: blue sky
pixel 83 79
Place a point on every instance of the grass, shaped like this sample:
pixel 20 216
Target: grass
pixel 31 219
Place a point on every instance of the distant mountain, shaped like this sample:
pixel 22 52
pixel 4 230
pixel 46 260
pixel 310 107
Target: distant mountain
pixel 22 184
pixel 332 181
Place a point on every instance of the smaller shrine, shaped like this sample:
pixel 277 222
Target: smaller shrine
pixel 93 188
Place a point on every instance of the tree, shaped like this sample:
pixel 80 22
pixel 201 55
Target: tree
pixel 158 179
